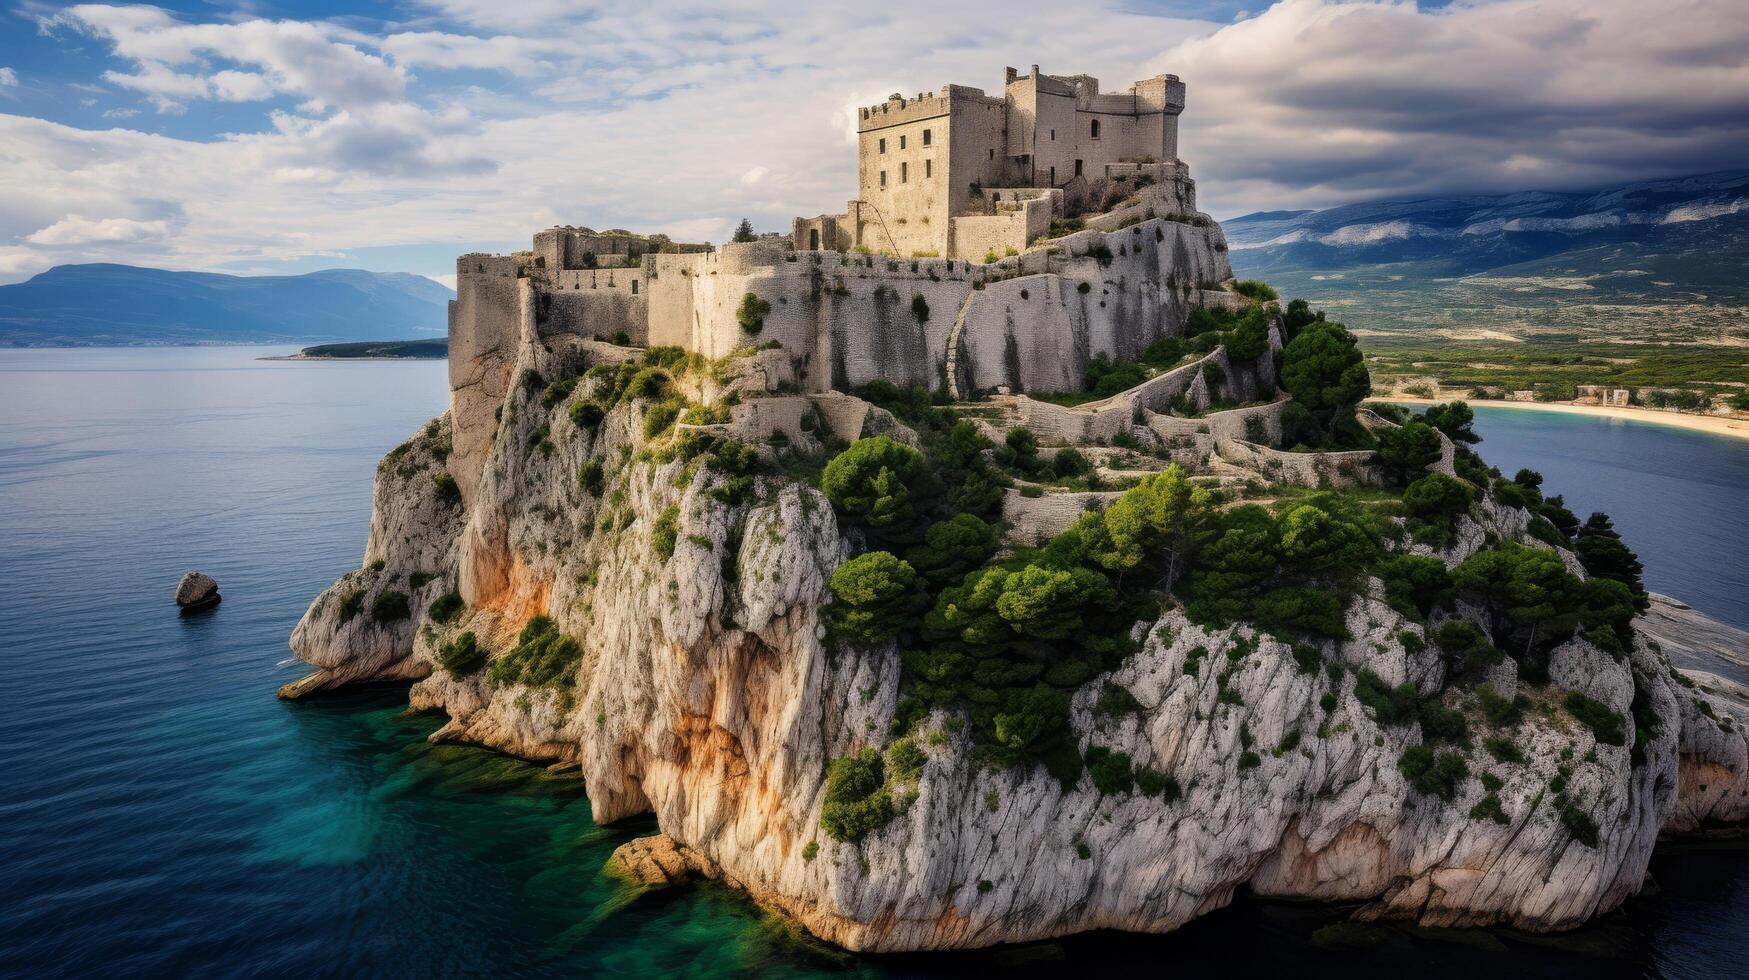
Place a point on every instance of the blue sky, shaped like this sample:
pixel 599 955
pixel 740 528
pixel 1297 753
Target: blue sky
pixel 265 136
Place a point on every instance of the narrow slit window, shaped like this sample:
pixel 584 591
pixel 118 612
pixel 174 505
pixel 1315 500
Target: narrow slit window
pixel 904 172
pixel 1095 129
pixel 1077 168
pixel 926 137
pixel 883 144
pixel 901 142
pixel 928 168
pixel 883 178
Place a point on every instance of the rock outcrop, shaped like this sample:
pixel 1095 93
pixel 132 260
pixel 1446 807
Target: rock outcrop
pixel 197 591
pixel 703 692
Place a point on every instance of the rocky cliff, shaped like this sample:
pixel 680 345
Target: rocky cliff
pixel 683 667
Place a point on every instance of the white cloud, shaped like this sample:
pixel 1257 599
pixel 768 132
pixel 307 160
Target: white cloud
pixel 1317 102
pixel 78 230
pixel 689 115
pixel 316 60
pixel 8 78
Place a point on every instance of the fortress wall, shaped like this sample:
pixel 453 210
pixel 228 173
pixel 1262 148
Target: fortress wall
pixel 485 322
pixel 484 264
pixel 1043 341
pixel 1230 424
pixel 596 313
pixel 1035 520
pixel 1357 468
pixel 867 330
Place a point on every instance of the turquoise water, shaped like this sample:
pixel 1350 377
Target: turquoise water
pixel 163 814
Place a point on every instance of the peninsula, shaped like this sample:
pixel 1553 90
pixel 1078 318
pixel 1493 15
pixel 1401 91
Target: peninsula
pixel 984 563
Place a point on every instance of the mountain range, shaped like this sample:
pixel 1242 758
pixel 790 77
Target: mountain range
pixel 104 304
pixel 1683 239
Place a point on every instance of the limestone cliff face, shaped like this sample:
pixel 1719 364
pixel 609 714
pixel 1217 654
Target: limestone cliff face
pixel 705 695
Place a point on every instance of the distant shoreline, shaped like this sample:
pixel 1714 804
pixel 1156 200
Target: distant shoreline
pixel 324 357
pixel 1716 425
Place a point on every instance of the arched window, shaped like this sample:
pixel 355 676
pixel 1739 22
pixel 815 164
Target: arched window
pixel 1095 129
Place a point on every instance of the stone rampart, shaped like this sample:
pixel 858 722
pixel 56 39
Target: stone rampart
pixel 1035 520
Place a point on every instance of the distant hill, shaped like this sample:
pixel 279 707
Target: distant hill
pixel 101 304
pixel 410 349
pixel 1684 239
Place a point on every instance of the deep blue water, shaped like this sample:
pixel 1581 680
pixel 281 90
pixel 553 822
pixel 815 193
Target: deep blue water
pixel 161 813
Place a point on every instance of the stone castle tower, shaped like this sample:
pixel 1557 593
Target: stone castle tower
pixel 962 174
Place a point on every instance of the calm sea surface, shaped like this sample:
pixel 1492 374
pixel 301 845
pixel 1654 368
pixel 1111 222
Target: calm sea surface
pixel 162 814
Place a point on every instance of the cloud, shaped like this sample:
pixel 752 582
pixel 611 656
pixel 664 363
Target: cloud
pixel 78 230
pixel 1316 102
pixel 172 59
pixel 8 78
pixel 690 115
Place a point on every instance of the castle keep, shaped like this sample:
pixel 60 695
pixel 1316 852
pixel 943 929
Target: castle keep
pixel 998 243
pixel 962 174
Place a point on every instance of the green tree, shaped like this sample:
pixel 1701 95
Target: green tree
pixel 1437 497
pixel 1415 584
pixel 953 547
pixel 1315 541
pixel 876 596
pixel 1604 555
pixel 744 232
pixel 1161 520
pixel 872 482
pixel 1529 586
pixel 1322 368
pixel 1408 449
pixel 1048 604
pixel 1453 419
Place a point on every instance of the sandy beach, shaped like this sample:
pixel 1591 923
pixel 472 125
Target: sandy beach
pixel 1738 428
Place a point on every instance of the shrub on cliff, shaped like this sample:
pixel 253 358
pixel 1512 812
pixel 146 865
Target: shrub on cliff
pixel 390 606
pixel 857 799
pixel 445 607
pixel 1434 773
pixel 872 482
pixel 447 490
pixel 1110 771
pixel 1415 584
pixel 875 596
pixel 665 532
pixel 752 312
pixel 1256 289
pixel 591 476
pixel 542 657
pixel 1606 724
pixel 587 415
pixel 461 656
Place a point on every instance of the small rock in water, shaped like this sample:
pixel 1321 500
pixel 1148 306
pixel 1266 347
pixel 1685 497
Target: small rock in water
pixel 197 590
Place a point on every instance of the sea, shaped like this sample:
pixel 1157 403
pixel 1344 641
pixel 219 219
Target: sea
pixel 162 814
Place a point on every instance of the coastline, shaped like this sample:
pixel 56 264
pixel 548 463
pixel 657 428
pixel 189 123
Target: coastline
pixel 301 357
pixel 1713 424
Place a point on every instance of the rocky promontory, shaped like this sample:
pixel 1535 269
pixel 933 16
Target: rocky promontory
pixel 924 676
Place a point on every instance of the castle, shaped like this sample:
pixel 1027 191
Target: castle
pixel 999 244
pixel 962 174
